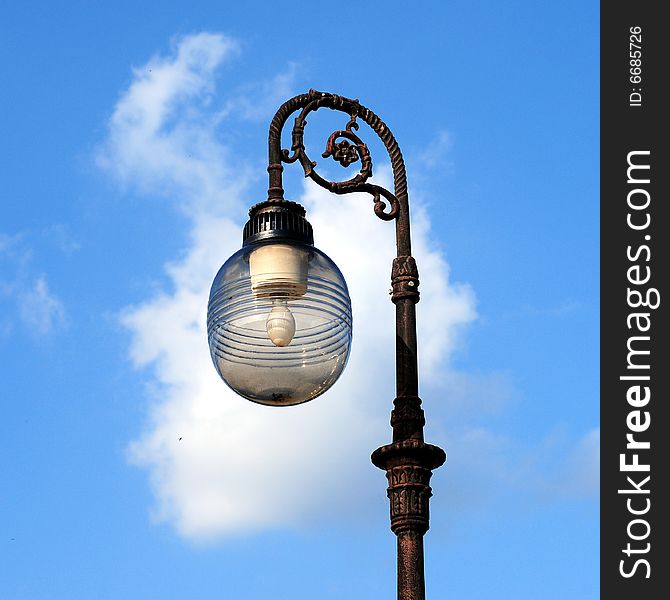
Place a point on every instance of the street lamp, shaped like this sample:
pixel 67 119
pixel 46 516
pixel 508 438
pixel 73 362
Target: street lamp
pixel 279 317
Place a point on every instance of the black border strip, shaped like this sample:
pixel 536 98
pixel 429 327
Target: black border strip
pixel 635 359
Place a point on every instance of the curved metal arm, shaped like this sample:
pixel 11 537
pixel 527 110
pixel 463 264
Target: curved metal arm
pixel 348 150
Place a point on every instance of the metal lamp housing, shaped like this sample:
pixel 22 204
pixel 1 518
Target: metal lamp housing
pixel 279 318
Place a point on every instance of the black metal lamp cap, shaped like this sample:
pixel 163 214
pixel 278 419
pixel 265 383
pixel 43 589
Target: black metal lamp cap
pixel 277 220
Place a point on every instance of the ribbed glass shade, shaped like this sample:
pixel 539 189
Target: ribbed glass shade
pixel 279 323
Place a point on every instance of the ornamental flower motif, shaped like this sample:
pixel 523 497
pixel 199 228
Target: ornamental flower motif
pixel 345 153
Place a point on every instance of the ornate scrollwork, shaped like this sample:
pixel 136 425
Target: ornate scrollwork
pixel 346 153
pixel 343 152
pixel 345 147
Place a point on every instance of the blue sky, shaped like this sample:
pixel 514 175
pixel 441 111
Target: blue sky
pixel 135 140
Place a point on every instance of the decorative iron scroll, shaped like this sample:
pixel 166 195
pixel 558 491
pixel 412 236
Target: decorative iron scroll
pixel 344 146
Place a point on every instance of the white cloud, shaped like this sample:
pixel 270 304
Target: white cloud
pixel 8 243
pixel 217 463
pixel 470 396
pixel 161 135
pixel 30 300
pixel 14 250
pixel 40 310
pixel 259 101
pixel 60 236
pixel 580 475
pixel 485 467
pixel 436 154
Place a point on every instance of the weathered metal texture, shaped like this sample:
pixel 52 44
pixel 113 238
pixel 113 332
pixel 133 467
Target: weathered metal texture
pixel 408 460
pixel 341 152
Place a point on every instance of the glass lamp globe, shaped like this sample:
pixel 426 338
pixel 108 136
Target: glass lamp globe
pixel 279 317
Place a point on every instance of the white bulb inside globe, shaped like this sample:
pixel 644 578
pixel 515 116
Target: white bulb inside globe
pixel 280 324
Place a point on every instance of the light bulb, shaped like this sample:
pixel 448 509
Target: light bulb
pixel 280 324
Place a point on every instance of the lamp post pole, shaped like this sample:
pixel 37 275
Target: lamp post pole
pixel 408 461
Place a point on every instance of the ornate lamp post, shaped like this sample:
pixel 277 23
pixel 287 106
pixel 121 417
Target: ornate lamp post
pixel 279 316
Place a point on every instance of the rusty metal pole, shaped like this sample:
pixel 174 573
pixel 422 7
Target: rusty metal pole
pixel 408 461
